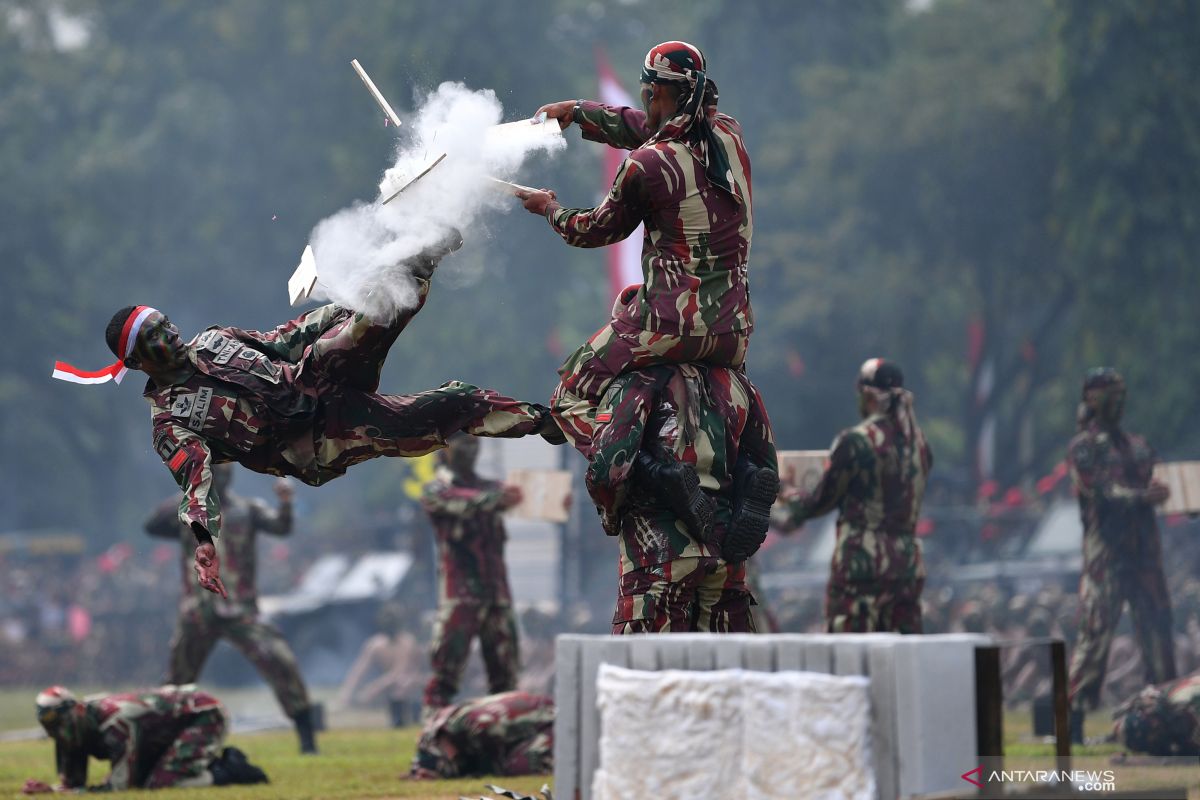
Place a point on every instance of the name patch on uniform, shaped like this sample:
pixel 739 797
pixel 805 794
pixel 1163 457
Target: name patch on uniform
pixel 200 409
pixel 227 352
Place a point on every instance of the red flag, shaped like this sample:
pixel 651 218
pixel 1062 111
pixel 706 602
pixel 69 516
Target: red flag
pixel 624 257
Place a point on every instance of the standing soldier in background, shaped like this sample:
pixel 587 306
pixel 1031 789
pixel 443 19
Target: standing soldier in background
pixel 204 617
pixel 473 595
pixel 1122 553
pixel 876 478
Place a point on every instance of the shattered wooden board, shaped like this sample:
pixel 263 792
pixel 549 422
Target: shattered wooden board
pixel 802 469
pixel 544 491
pixel 304 278
pixel 1183 479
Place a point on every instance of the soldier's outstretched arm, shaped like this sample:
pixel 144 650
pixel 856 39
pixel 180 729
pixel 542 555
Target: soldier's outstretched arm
pixel 611 221
pixel 188 458
pixel 277 521
pixel 621 127
pixel 849 456
pixel 1094 482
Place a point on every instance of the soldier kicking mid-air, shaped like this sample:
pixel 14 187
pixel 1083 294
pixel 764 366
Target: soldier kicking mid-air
pixel 300 400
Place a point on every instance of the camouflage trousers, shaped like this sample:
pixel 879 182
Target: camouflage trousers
pixel 198 631
pixel 873 606
pixel 687 595
pixel 620 347
pixel 185 761
pixel 1103 592
pixel 356 423
pixel 458 622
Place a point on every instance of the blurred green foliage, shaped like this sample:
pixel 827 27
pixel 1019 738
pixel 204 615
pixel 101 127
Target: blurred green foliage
pixel 1029 170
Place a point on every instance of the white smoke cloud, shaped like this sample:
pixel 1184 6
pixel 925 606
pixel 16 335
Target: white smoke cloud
pixel 359 249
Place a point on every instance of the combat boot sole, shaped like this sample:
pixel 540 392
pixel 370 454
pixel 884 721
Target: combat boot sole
pixel 689 502
pixel 749 526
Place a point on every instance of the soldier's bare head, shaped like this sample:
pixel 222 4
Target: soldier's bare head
pixel 461 453
pixel 1103 396
pixel 145 339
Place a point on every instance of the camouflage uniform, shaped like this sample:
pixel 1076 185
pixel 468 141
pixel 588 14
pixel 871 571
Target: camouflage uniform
pixel 1122 558
pixel 704 417
pixel 301 400
pixel 1162 720
pixel 695 302
pixel 156 738
pixel 501 734
pixel 473 595
pixel 205 617
pixel 876 478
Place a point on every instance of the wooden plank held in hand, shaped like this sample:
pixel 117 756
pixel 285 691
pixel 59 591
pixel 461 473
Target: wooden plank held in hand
pixel 1183 479
pixel 544 493
pixel 802 469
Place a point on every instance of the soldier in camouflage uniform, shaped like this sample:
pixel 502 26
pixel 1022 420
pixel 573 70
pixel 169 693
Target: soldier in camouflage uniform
pixel 713 419
pixel 687 180
pixel 876 478
pixel 473 595
pixel 1162 720
pixel 501 734
pixel 204 618
pixel 169 736
pixel 301 400
pixel 1122 552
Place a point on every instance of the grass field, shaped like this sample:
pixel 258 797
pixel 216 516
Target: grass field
pixel 362 759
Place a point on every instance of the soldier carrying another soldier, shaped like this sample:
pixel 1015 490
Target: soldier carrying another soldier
pixel 687 180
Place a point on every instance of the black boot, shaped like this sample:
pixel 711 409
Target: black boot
pixel 678 485
pixel 754 492
pixel 234 768
pixel 305 730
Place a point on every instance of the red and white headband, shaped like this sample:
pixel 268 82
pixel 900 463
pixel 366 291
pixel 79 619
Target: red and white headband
pixel 115 371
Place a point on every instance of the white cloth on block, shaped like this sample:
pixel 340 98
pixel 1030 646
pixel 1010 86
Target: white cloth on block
pixel 732 734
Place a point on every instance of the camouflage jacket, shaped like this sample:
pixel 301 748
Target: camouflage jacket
pixel 131 730
pixel 696 250
pixel 253 398
pixel 877 483
pixel 485 732
pixel 701 415
pixel 243 519
pixel 470 534
pixel 1111 472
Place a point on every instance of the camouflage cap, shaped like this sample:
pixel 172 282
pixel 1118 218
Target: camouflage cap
pixel 1102 377
pixel 880 374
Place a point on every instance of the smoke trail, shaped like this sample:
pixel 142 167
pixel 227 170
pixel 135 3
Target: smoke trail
pixel 359 249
